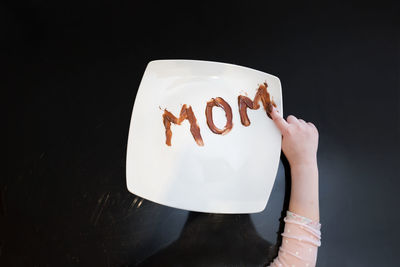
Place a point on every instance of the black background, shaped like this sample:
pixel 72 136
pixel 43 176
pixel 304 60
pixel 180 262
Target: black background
pixel 71 71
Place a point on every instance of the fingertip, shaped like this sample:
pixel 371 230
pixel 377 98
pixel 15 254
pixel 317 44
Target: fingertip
pixel 274 112
pixel 278 120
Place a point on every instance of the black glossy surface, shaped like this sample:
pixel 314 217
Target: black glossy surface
pixel 71 74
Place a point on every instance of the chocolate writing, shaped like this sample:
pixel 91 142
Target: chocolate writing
pixel 186 114
pixel 219 102
pixel 244 103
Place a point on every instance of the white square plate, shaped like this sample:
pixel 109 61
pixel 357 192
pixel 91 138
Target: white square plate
pixel 232 173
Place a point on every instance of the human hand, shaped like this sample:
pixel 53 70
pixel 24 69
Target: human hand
pixel 299 139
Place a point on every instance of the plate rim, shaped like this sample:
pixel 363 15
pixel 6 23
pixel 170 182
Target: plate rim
pixel 131 120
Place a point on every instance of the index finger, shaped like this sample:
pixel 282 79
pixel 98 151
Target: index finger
pixel 279 120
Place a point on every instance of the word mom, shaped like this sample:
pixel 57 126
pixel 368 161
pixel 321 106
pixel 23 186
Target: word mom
pixel 243 101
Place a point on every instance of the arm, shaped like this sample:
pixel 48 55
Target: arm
pixel 301 237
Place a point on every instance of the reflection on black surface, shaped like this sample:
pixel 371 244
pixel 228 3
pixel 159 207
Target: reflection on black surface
pixel 221 240
pixel 215 240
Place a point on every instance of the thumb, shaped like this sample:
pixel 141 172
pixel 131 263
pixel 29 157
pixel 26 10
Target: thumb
pixel 279 120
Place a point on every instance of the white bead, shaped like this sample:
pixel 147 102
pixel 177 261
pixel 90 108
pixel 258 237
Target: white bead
pixel 297 253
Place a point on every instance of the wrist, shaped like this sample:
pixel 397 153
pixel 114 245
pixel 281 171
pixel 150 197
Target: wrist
pixel 304 164
pixel 304 171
